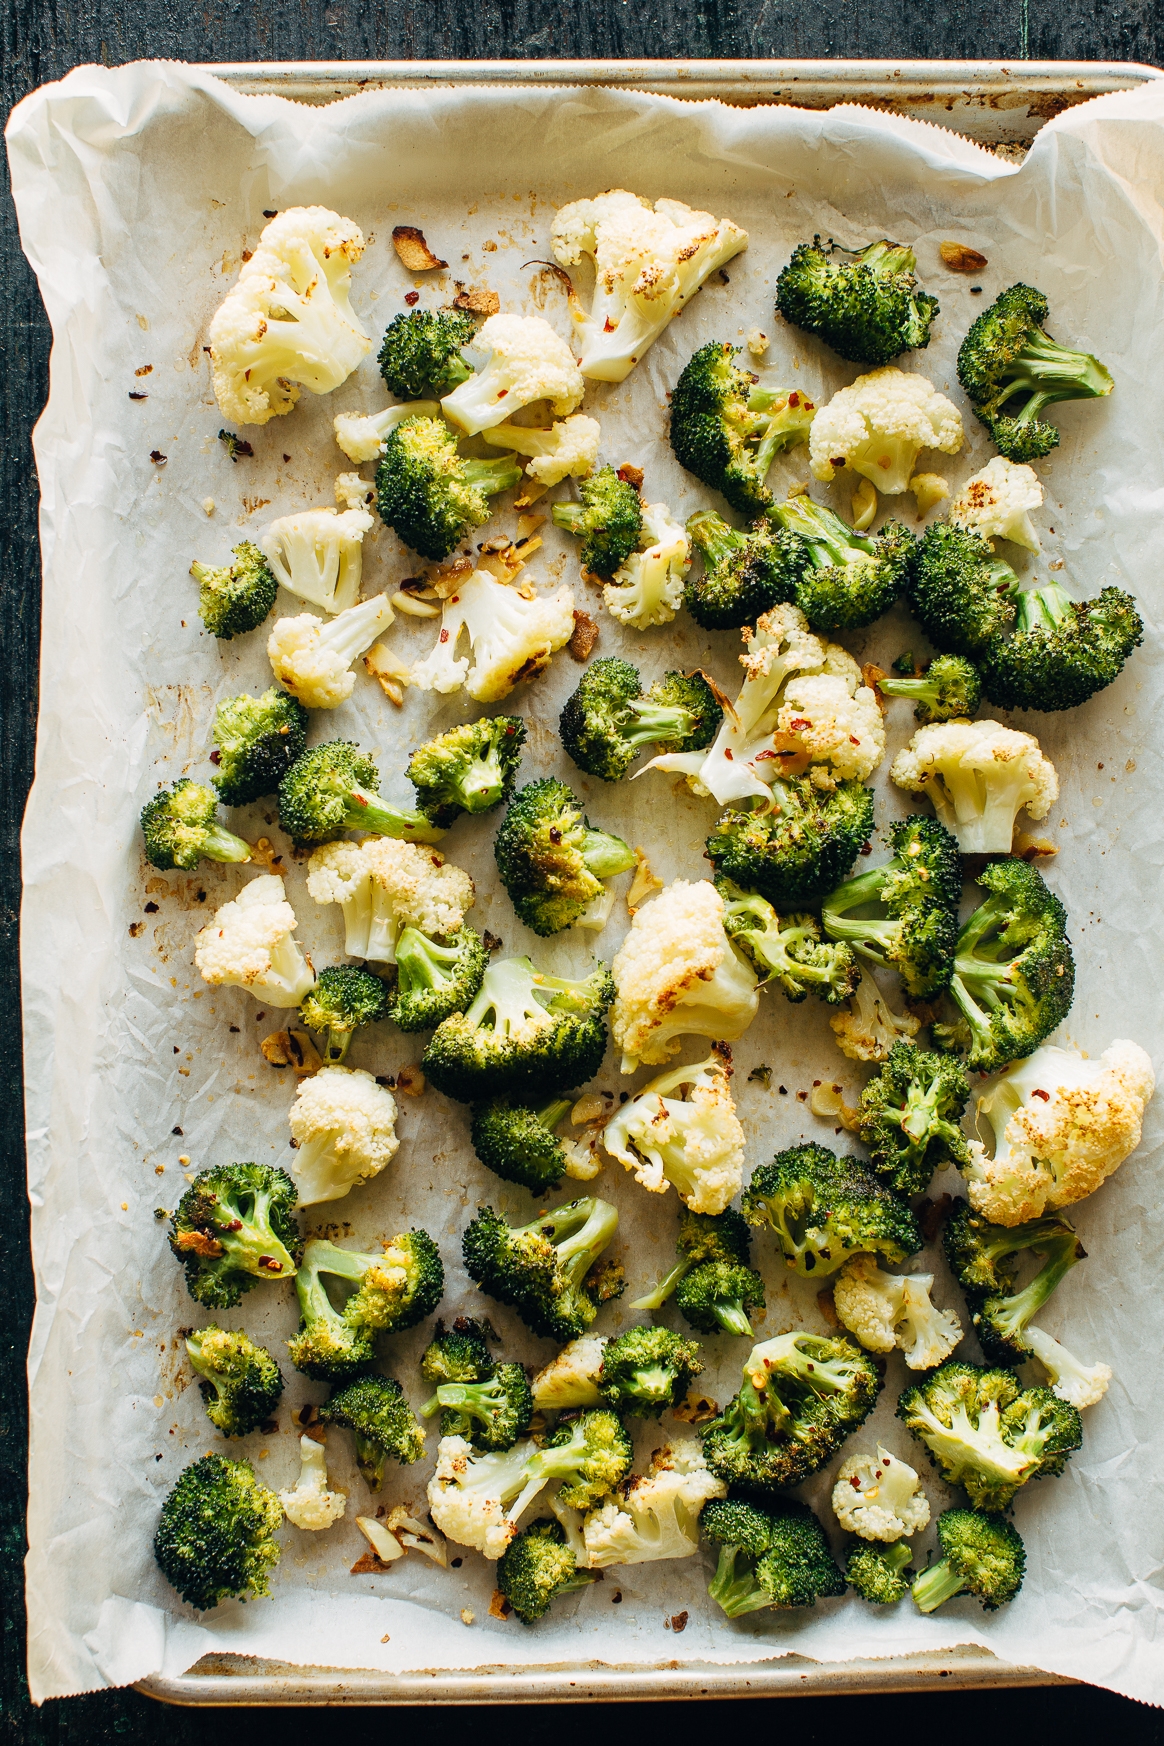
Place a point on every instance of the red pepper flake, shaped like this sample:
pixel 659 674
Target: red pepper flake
pixel 555 834
pixel 865 849
pixel 837 461
pixel 854 1482
pixel 608 326
pixel 794 398
pixel 799 722
pixel 853 740
pixel 501 393
pixel 411 297
pixel 729 754
pixel 157 457
pixel 1045 1095
pixel 444 637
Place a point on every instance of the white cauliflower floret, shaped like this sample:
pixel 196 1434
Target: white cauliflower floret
pixel 655 1516
pixel 310 1503
pixel 288 319
pixel 384 885
pixel 344 1126
pixel 870 1028
pixel 996 503
pixel 570 1379
pixel 879 425
pixel 248 945
pixel 511 638
pixel 527 361
pixel 364 436
pixel 1081 1385
pixel 880 1498
pixel 693 1144
pixel 677 974
pixel 476 1499
pixel 647 266
pixel 836 720
pixel 979 776
pixel 1062 1125
pixel 312 660
pixel 318 553
pixel 568 451
pixel 885 1310
pixel 648 589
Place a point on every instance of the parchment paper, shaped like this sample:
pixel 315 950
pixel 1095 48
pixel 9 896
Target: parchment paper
pixel 137 190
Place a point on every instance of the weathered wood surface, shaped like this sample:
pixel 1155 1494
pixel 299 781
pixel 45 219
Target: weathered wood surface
pixel 40 41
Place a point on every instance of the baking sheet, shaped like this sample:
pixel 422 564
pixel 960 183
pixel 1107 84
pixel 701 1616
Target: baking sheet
pixel 137 190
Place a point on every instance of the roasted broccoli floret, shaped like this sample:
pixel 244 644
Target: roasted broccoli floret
pixel 713 1285
pixel 799 848
pixel 540 1269
pixel 468 769
pixel 589 1454
pixel 457 1354
pixel 1062 651
pixel 608 520
pixel 335 788
pixel 744 574
pixel 646 1369
pixel 880 1573
pixel 343 999
pixel 919 890
pixel 553 862
pixel 216 1535
pixel 960 593
pixel 985 1432
pixel 388 1292
pixel 802 1396
pixel 822 1209
pixel 420 355
pixel 775 1556
pixel 536 1568
pixel 868 308
pixel 610 719
pixel 241 1383
pixel 1011 369
pixel 429 493
pixel 849 578
pixel 492 1413
pixel 235 598
pixel 949 689
pixel 526 1035
pixel 180 828
pixel 727 431
pixel 382 1423
pixel 519 1143
pixel 1014 973
pixel 982 1555
pixel 257 739
pixel 788 950
pixel 982 1258
pixel 433 982
pixel 233 1228
pixel 909 1116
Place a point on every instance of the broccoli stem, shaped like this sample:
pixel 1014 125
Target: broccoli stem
pixel 736 1594
pixel 1049 372
pixel 604 855
pixel 715 539
pixel 654 1383
pixel 828 539
pixel 867 933
pixel 921 690
pixel 419 962
pixel 656 721
pixel 572 516
pixel 729 1313
pixel 473 1400
pixel 483 782
pixel 778 430
pixel 595 1222
pixel 886 258
pixel 551 1113
pixel 940 1583
pixel 219 844
pixel 368 812
pixel 657 1298
pixel 1043 608
pixel 1009 1318
pixel 491 476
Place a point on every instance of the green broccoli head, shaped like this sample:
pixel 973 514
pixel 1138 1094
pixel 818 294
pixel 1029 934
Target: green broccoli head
pixel 334 788
pixel 491 1413
pixel 590 1454
pixel 848 579
pixel 646 1369
pixel 470 768
pixel 429 493
pixel 919 890
pixel 432 981
pixel 216 1534
pixel 772 1557
pixel 713 1285
pixel 541 1269
pixel 234 1228
pixel 536 1567
pixel 610 719
pixel 909 1117
pixel 802 1396
pixel 868 308
pixel 1014 971
pixel 257 739
pixel 1062 651
pixel 343 999
pixel 421 352
pixel 948 690
pixel 1011 369
pixel 526 1035
pixel 519 1143
pixel 551 860
pixel 179 828
pixel 880 1574
pixel 960 593
pixel 744 574
pixel 727 432
pixel 608 519
pixel 235 598
pixel 822 1209
pixel 382 1423
pixel 801 847
pixel 328 1346
pixel 457 1354
pixel 241 1382
pixel 987 1433
pixel 400 1287
pixel 743 1533
pixel 982 1555
pixel 788 950
pixel 982 1257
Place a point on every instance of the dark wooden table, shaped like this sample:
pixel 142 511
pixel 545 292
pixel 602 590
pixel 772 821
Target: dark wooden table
pixel 40 41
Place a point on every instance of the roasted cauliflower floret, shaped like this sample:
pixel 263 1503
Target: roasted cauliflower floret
pixel 656 1515
pixel 383 885
pixel 310 1502
pixel 836 719
pixel 344 1126
pixel 979 776
pixel 312 659
pixel 879 425
pixel 648 588
pixel 527 361
pixel 997 502
pixel 568 451
pixel 694 1144
pixel 880 1497
pixel 884 1310
pixel 511 638
pixel 249 944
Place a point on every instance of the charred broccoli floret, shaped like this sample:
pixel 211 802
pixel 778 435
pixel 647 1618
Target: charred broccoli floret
pixel 1011 369
pixel 788 950
pixel 982 1258
pixel 334 788
pixel 216 1535
pixel 343 999
pixel 744 574
pixel 868 308
pixel 982 1555
pixel 519 1143
pixel 801 847
pixel 179 828
pixel 822 1209
pixel 457 1354
pixel 985 1432
pixel 608 520
pixel 432 981
pixel 421 352
pixel 388 1292
pixel 553 862
pixel 235 598
pixel 776 1556
pixel 909 1116
pixel 959 592
pixel 949 689
pixel 383 1425
pixel 713 1284
pixel 919 890
pixel 540 1269
pixel 727 431
pixel 536 1567
pixel 1062 651
pixel 490 1404
pixel 233 1228
pixel 241 1383
pixel 848 578
pixel 610 719
pixel 429 493
pixel 257 739
pixel 646 1369
pixel 470 768
pixel 880 1573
